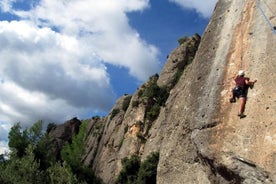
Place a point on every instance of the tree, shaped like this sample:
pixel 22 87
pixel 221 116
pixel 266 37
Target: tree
pixel 59 174
pixel 72 153
pixel 18 140
pixel 136 172
pixel 148 170
pixel 23 170
pixel 128 174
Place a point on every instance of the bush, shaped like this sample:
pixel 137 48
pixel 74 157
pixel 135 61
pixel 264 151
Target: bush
pixel 126 103
pixel 135 103
pixel 135 172
pixel 156 96
pixel 50 127
pixel 176 77
pixel 153 112
pixel 97 128
pixel 182 40
pixel 148 169
pixel 114 113
pixel 129 171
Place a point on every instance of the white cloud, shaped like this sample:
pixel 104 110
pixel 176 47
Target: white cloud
pixel 4 148
pixel 204 8
pixel 103 25
pixel 4 131
pixel 4 128
pixel 43 70
pixel 53 57
pixel 6 5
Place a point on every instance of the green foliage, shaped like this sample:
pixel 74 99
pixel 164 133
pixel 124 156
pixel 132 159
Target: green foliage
pixel 72 153
pixel 121 143
pixel 23 170
pixel 50 127
pixel 135 103
pixel 177 76
pixel 136 172
pixel 129 172
pixel 32 159
pixel 140 93
pixel 156 96
pixel 182 40
pixel 35 133
pixel 18 140
pixel 114 113
pixel 153 112
pixel 126 129
pixel 26 170
pixel 148 169
pixel 97 129
pixel 126 103
pixel 142 138
pixel 59 174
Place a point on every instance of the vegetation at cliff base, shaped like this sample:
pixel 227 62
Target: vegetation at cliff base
pixel 32 158
pixel 136 172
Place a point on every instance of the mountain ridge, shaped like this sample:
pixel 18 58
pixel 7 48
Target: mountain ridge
pixel 185 115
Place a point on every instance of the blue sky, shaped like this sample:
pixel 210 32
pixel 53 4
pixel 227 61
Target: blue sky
pixel 61 59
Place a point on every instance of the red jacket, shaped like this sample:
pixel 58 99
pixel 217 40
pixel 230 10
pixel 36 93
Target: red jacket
pixel 240 81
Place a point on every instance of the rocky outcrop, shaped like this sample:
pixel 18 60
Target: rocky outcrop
pixel 60 134
pixel 185 114
pixel 205 141
pixel 178 60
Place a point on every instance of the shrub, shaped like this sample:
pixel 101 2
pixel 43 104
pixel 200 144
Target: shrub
pixel 182 40
pixel 148 169
pixel 114 113
pixel 50 127
pixel 129 171
pixel 97 129
pixel 126 103
pixel 176 77
pixel 142 138
pixel 153 112
pixel 121 143
pixel 135 172
pixel 135 103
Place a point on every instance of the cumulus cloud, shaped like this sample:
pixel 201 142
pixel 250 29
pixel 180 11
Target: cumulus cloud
pixel 3 131
pixel 204 8
pixel 4 128
pixel 4 148
pixel 43 71
pixel 53 57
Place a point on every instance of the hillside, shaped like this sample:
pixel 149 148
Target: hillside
pixel 184 113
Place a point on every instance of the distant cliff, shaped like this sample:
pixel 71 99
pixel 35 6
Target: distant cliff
pixel 184 113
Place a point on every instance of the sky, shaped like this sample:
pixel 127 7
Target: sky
pixel 74 58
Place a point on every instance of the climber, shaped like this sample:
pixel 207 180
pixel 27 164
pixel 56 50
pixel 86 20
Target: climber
pixel 240 91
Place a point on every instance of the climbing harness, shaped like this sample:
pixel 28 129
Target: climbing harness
pixel 265 17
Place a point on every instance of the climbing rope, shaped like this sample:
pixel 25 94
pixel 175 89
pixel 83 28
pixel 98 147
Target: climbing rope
pixel 273 12
pixel 265 17
pixel 241 33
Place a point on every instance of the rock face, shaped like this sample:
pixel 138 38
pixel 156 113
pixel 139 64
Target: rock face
pixel 185 114
pixel 63 133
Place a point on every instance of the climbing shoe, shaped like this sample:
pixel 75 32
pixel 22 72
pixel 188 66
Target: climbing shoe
pixel 232 100
pixel 241 115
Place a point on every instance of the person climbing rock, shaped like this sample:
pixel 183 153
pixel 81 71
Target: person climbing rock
pixel 240 91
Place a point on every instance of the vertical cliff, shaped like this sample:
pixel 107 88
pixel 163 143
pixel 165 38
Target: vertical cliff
pixel 185 114
pixel 205 141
